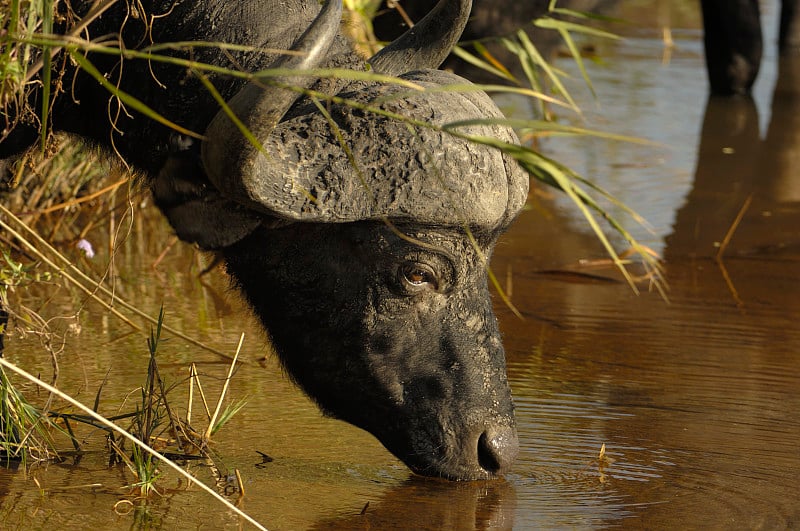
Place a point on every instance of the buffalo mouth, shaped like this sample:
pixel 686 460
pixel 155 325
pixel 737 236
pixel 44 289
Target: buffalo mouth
pixel 482 451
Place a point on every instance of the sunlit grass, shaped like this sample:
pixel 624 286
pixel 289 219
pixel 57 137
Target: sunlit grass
pixel 358 24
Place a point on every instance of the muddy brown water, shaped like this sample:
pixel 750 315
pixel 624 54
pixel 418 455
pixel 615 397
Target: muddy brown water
pixel 697 400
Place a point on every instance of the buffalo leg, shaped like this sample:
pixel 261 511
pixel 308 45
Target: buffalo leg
pixel 733 43
pixel 789 34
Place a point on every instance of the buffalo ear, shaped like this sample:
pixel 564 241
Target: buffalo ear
pixel 195 208
pixel 211 224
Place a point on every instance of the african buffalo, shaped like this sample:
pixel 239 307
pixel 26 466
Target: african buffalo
pixel 359 240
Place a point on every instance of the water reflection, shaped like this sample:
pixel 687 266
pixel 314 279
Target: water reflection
pixel 783 133
pixel 738 174
pixel 424 504
pixel 696 400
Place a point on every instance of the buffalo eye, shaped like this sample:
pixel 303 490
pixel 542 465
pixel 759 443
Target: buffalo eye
pixel 416 277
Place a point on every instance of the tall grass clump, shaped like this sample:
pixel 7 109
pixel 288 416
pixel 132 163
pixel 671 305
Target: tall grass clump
pixel 154 439
pixel 149 417
pixel 144 460
pixel 25 431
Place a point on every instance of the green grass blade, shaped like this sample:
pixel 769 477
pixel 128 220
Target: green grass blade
pixel 47 27
pixel 474 60
pixel 576 56
pixel 585 15
pixel 558 25
pixel 228 111
pixel 546 127
pixel 537 59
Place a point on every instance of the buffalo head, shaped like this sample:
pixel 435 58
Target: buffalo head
pixel 362 242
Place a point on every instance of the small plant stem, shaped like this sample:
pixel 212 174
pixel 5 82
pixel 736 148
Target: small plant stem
pixel 239 483
pixel 202 395
pixel 82 199
pixel 161 256
pixel 224 390
pixel 729 235
pixel 723 246
pixel 192 377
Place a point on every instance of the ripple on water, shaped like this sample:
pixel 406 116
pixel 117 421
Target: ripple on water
pixel 560 470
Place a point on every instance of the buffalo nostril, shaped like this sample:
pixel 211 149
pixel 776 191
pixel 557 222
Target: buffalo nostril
pixel 497 450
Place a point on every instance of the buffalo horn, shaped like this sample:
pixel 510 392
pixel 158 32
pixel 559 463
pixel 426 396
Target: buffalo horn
pixel 428 43
pixel 228 156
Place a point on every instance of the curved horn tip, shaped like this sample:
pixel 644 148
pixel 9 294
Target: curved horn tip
pixel 428 43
